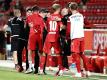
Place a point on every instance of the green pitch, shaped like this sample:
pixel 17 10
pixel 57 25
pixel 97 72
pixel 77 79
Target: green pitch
pixel 9 74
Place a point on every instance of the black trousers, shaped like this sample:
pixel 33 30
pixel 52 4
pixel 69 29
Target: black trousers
pixel 65 51
pixel 36 60
pixel 44 37
pixel 21 45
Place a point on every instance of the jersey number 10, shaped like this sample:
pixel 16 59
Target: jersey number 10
pixel 53 25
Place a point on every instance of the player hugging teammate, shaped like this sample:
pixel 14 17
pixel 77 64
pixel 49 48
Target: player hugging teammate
pixel 53 24
pixel 52 42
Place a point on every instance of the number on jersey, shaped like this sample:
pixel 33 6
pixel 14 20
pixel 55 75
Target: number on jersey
pixel 53 25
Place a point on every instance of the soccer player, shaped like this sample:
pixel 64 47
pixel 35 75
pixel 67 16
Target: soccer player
pixel 44 36
pixel 28 11
pixel 77 38
pixel 27 30
pixel 29 20
pixel 36 24
pixel 52 46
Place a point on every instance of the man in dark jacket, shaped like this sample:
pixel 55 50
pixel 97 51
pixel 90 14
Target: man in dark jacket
pixel 16 25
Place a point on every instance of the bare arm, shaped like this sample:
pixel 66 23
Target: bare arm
pixel 31 24
pixel 5 27
pixel 62 26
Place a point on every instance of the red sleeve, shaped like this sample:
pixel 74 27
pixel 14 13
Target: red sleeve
pixel 28 20
pixel 60 23
pixel 42 24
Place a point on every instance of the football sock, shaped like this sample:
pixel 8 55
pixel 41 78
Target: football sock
pixel 50 60
pixel 85 62
pixel 42 62
pixel 60 62
pixel 76 58
pixel 30 64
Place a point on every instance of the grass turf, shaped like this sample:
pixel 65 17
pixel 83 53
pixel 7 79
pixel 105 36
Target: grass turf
pixel 9 74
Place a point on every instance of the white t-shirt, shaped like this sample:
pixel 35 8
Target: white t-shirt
pixel 76 26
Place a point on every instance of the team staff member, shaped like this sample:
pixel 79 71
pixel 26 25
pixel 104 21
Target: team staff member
pixel 23 41
pixel 77 38
pixel 65 45
pixel 16 24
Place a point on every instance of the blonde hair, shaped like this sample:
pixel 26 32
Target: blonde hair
pixel 56 6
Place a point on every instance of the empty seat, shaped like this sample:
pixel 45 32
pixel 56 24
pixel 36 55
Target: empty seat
pixel 104 21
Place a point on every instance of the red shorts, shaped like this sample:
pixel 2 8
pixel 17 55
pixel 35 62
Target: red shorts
pixel 34 40
pixel 77 45
pixel 48 45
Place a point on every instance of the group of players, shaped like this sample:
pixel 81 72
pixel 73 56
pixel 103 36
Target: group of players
pixel 71 25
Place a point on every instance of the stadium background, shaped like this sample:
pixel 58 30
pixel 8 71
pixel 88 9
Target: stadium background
pixel 94 11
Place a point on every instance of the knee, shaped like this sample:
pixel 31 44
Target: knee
pixel 42 54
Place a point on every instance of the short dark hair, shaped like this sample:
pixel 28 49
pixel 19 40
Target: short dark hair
pixel 16 7
pixel 44 10
pixel 47 10
pixel 35 8
pixel 28 9
pixel 68 5
pixel 74 6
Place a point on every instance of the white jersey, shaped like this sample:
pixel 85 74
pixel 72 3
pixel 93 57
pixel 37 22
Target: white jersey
pixel 76 26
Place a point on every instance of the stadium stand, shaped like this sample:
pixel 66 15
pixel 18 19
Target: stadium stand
pixel 96 11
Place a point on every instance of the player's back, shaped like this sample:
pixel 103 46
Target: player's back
pixel 35 20
pixel 29 21
pixel 53 27
pixel 77 24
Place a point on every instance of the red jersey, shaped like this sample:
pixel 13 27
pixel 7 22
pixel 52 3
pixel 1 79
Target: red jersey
pixel 29 20
pixel 38 23
pixel 53 28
